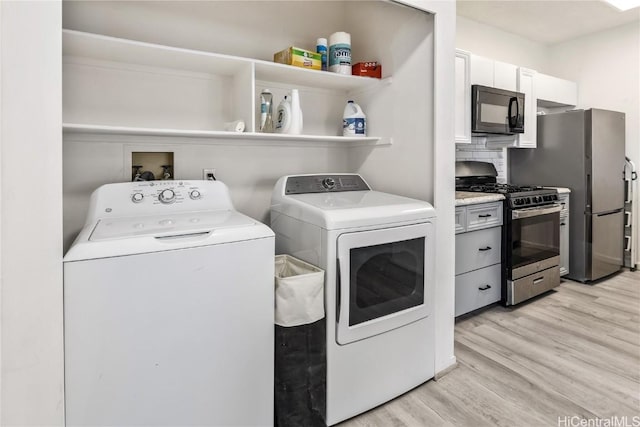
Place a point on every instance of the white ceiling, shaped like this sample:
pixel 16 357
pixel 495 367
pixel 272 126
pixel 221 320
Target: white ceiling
pixel 547 22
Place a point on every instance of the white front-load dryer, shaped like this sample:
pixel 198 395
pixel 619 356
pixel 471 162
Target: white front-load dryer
pixel 377 250
pixel 168 310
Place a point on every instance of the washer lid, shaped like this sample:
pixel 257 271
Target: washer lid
pixel 176 224
pixel 353 208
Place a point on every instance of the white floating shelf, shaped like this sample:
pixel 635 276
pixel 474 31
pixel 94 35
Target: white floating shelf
pixel 105 48
pixel 222 137
pixel 274 72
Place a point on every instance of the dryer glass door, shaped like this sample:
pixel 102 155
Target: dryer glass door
pixel 383 280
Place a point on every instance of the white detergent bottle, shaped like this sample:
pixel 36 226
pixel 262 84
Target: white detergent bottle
pixel 283 116
pixel 354 121
pixel 296 113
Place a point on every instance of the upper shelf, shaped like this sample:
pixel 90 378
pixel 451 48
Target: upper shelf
pixel 106 48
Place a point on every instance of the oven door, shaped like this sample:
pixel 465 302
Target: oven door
pixel 384 280
pixel 534 240
pixel 496 111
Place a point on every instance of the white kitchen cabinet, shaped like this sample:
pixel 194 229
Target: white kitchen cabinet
pixel 564 234
pixel 505 76
pixel 483 215
pixel 478 256
pixel 555 92
pixel 481 71
pixel 477 289
pixel 124 87
pixel 527 85
pixel 463 97
pixel 478 249
pixel 487 72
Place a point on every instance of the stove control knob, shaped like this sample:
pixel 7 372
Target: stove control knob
pixel 195 195
pixel 137 197
pixel 329 183
pixel 167 196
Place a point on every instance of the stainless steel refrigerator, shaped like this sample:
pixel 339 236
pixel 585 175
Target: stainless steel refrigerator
pixel 584 151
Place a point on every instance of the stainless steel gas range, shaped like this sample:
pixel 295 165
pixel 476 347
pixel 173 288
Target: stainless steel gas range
pixel 530 235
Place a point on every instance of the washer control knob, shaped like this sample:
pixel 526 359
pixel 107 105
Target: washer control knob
pixel 195 195
pixel 137 197
pixel 328 183
pixel 167 196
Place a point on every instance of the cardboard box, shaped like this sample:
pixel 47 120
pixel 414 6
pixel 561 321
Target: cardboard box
pixel 299 58
pixel 367 69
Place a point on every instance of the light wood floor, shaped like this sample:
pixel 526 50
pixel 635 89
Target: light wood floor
pixel 572 352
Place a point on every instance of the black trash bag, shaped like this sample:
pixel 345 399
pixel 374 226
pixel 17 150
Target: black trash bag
pixel 301 375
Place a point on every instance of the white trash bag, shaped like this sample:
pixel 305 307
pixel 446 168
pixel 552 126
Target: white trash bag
pixel 299 292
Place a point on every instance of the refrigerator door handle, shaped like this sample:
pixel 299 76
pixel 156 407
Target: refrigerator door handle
pixel 615 211
pixel 588 193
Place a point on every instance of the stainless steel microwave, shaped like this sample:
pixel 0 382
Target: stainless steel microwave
pixel 496 111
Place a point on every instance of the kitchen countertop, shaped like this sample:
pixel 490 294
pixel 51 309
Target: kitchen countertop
pixel 464 198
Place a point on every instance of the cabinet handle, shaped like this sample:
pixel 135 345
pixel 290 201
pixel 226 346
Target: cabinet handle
pixel 538 280
pixel 488 248
pixel 562 223
pixel 484 216
pixel 484 288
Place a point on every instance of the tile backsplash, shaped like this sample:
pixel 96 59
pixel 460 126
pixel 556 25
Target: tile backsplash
pixel 478 151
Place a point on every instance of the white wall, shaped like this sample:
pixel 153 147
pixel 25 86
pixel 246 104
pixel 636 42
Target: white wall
pixel 494 43
pixel 31 373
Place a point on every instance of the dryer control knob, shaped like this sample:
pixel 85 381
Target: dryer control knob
pixel 167 196
pixel 328 183
pixel 137 197
pixel 195 195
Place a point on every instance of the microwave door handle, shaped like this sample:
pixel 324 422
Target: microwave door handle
pixel 513 119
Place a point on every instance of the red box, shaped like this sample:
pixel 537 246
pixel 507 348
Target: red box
pixel 367 69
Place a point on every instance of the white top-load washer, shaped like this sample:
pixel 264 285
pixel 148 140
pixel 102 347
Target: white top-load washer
pixel 377 250
pixel 168 309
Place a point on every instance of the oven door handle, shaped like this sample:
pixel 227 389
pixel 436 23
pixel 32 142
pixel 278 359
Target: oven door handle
pixel 536 211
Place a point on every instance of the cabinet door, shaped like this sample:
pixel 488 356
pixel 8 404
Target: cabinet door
pixel 504 76
pixel 463 98
pixel 478 249
pixel 564 244
pixel 484 215
pixel 481 71
pixel 526 85
pixel 556 91
pixel 477 289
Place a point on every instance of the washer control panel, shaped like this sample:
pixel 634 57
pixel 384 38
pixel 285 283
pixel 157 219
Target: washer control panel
pixel 324 183
pixel 135 199
pixel 165 192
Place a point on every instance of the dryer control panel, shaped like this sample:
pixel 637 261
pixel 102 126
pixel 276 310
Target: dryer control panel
pixel 304 184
